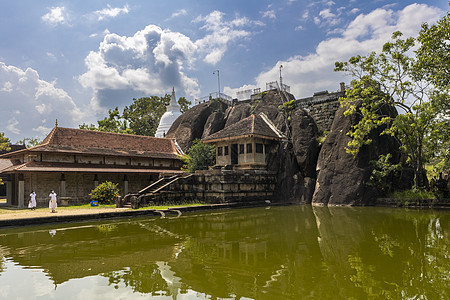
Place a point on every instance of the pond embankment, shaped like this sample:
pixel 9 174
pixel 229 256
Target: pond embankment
pixel 29 217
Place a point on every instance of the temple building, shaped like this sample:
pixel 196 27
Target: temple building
pixel 245 144
pixel 74 161
pixel 172 113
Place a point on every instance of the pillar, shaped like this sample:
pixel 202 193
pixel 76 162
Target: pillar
pixel 9 193
pixel 62 186
pixel 21 192
pixel 95 181
pixel 125 184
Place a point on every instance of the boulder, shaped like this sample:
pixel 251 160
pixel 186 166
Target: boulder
pixel 304 134
pixel 214 123
pixel 290 182
pixel 191 125
pixel 236 113
pixel 342 179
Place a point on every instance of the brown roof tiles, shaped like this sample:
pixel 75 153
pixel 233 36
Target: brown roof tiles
pixel 254 125
pixel 80 141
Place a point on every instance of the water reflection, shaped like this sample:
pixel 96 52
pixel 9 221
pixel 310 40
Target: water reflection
pixel 277 253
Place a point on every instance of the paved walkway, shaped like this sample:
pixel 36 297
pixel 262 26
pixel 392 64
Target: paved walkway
pixel 9 213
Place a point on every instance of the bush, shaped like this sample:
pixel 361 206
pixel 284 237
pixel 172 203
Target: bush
pixel 199 157
pixel 105 193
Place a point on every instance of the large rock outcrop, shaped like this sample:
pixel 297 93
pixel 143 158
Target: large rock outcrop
pixel 342 179
pixel 191 125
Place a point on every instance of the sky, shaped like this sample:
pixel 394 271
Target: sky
pixel 74 60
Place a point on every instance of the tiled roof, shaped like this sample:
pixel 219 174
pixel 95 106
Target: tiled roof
pixel 33 166
pixel 79 141
pixel 254 125
pixel 5 163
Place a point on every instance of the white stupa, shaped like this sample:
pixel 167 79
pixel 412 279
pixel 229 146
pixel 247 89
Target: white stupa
pixel 172 113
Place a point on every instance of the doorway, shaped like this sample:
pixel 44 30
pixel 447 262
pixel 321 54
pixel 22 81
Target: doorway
pixel 234 154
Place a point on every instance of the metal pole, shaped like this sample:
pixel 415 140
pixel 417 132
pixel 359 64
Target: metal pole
pixel 281 78
pixel 218 81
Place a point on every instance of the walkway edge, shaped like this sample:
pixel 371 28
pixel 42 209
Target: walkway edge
pixel 130 213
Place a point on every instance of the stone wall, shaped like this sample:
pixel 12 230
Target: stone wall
pixel 322 106
pixel 78 186
pixel 217 186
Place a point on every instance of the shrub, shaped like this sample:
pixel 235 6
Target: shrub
pixel 105 193
pixel 199 157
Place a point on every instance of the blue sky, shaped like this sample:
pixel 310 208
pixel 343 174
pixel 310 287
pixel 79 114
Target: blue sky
pixel 74 60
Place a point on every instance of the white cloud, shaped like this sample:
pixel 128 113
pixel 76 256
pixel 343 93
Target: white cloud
pixel 111 12
pixel 148 63
pixel 299 28
pixel 367 32
pixel 326 13
pixel 354 11
pixel 305 15
pixel 222 33
pixel 180 12
pixel 56 16
pixel 12 126
pixel 269 14
pixel 7 87
pixel 31 100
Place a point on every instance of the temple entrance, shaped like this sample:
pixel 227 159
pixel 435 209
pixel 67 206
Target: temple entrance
pixel 234 154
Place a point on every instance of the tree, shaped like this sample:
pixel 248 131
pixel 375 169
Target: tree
pixel 144 114
pixel 433 58
pixel 199 156
pixel 141 117
pixel 184 104
pixel 30 142
pixel 112 123
pixel 4 145
pixel 393 78
pixel 4 142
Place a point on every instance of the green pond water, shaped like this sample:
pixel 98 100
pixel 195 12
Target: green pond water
pixel 292 252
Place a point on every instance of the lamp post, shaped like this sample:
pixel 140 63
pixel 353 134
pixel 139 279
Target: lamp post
pixel 218 81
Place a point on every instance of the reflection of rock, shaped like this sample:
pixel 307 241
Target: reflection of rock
pixel 293 161
pixel 342 179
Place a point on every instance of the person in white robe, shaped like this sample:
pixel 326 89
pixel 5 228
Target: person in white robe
pixel 52 203
pixel 32 202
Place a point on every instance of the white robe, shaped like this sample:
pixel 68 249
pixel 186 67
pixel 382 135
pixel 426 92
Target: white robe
pixel 32 202
pixel 52 203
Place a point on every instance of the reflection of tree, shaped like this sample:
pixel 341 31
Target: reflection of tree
pixel 413 263
pixel 143 279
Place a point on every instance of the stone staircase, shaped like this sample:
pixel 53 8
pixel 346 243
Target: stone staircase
pixel 150 190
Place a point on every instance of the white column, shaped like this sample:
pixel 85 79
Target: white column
pixel 9 192
pixel 62 186
pixel 21 193
pixel 125 185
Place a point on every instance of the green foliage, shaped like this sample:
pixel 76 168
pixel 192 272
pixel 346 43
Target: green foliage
pixel 382 169
pixel 184 104
pixel 141 117
pixel 144 114
pixel 322 137
pixel 112 123
pixel 105 193
pixel 199 157
pixel 413 194
pixel 4 142
pixel 287 108
pixel 393 78
pixel 30 142
pixel 4 145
